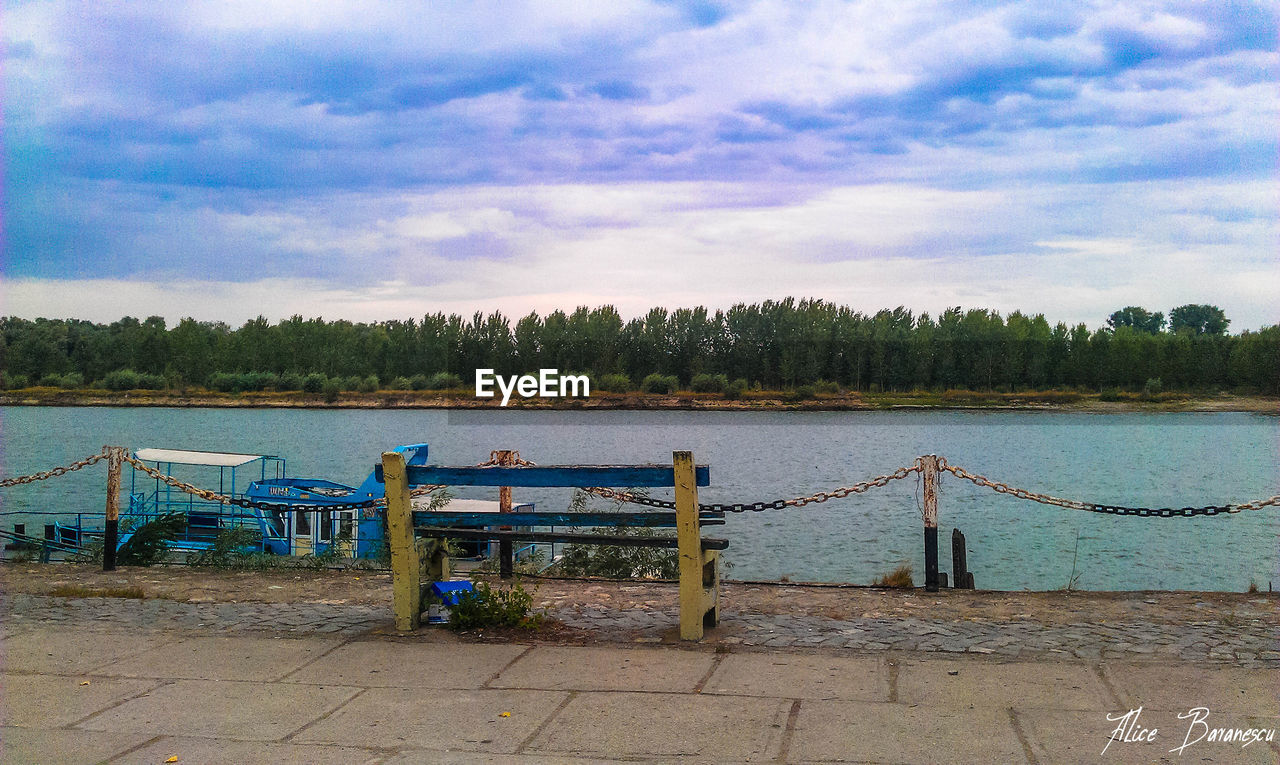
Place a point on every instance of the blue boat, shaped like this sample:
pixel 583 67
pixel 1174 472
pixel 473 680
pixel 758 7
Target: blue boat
pixel 293 523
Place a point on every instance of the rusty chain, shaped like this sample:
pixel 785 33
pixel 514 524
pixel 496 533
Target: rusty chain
pixel 1142 512
pixel 513 459
pixel 213 496
pixel 742 507
pixel 55 472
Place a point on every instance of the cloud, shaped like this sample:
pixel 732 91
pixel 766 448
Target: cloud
pixel 451 144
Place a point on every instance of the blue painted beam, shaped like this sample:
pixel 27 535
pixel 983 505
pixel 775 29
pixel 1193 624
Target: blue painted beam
pixel 463 519
pixel 549 475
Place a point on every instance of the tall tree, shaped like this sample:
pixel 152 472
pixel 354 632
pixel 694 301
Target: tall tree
pixel 1139 318
pixel 1198 319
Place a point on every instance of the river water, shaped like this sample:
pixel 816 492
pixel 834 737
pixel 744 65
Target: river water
pixel 1152 460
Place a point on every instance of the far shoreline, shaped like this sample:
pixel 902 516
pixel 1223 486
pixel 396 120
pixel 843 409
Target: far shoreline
pixel 766 401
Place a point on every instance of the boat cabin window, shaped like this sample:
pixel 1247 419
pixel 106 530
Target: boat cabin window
pixel 302 524
pixel 347 525
pixel 279 522
pixel 326 526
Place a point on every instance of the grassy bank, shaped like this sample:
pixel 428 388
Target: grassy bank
pixel 749 401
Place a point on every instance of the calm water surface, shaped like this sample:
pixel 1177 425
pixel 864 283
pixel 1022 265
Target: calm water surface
pixel 1152 460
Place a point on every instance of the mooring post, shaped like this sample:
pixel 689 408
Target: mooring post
pixel 960 561
pixel 111 532
pixel 506 564
pixel 699 571
pixel 406 569
pixel 929 481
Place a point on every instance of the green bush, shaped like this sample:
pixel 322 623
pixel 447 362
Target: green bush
pixel 612 383
pixel 368 384
pixel 707 383
pixel 68 380
pixel 149 543
pixel 419 382
pixel 400 383
pixel 290 381
pixel 736 389
pixel 444 381
pixel 314 382
pixel 13 382
pixel 332 387
pixel 804 393
pixel 230 548
pixel 659 383
pixel 1153 387
pixel 489 607
pixel 827 387
pixel 127 379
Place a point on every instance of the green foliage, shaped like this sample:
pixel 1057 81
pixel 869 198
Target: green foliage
pixel 444 381
pixel 368 384
pixel 778 344
pixel 614 383
pixel 616 561
pixel 127 379
pixel 290 381
pixel 1138 318
pixel 401 383
pixel 13 382
pixel 231 548
pixel 1198 319
pixel 240 382
pixel 826 387
pixel 736 389
pixel 149 543
pixel 709 383
pixel 68 380
pixel 659 383
pixel 486 607
pixel 332 387
pixel 314 383
pixel 1153 387
pixel 804 393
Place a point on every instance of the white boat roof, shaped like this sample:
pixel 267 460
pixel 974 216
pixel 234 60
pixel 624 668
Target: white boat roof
pixel 184 457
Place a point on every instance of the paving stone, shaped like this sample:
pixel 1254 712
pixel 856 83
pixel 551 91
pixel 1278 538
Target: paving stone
pixel 23 746
pixel 221 658
pixel 666 726
pixel 221 752
pixel 792 676
pixel 1181 687
pixel 639 669
pixel 1066 736
pixel 63 651
pixel 838 731
pixel 409 665
pixel 50 701
pixel 1063 686
pixel 459 720
pixel 223 709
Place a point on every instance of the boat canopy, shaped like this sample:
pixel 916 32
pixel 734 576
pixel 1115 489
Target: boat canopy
pixel 184 457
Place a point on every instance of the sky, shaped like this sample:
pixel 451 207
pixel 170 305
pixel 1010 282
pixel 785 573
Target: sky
pixel 374 161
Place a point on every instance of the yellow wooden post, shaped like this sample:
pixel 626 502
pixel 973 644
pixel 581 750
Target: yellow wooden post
pixel 406 573
pixel 699 575
pixel 111 530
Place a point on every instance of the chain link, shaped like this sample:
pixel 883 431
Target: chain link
pixel 1141 512
pixel 213 496
pixel 756 507
pixel 55 472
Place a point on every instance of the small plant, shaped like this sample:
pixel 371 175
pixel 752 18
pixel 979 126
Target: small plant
pixel 616 561
pixel 736 389
pixel 658 383
pixel 707 383
pixel 486 606
pixel 443 381
pixel 616 383
pixel 80 591
pixel 804 393
pixel 231 548
pixel 899 578
pixel 827 387
pixel 1253 587
pixel 149 543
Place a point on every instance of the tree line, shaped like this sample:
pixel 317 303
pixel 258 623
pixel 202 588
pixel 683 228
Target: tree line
pixel 776 345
